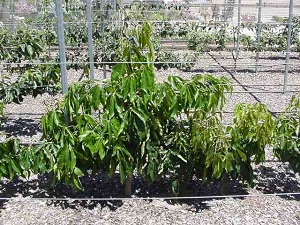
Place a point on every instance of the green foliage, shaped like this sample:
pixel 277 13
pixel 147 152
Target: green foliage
pixel 251 132
pixel 34 81
pixel 200 38
pixel 177 30
pixel 23 161
pixel 219 151
pixel 131 123
pixel 9 158
pixel 273 36
pixel 15 161
pixel 287 141
pixel 24 45
pixel 134 125
pixel 1 109
pixel 24 48
pixel 169 59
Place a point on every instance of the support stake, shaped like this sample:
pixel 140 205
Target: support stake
pixel 90 38
pixel 260 5
pixel 288 48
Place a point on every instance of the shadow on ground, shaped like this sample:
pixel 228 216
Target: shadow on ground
pixel 20 127
pixel 267 180
pixel 280 180
pixel 103 186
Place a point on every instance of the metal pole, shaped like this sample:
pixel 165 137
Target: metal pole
pixel 102 7
pixel 238 26
pixel 107 9
pixel 61 42
pixel 12 15
pixel 288 48
pixel 114 5
pixel 258 34
pixel 90 38
pixel 238 35
pixel 225 16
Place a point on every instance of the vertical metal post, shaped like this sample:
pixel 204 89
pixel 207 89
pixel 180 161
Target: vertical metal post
pixel 114 5
pixel 237 40
pixel 107 9
pixel 101 15
pixel 259 24
pixel 288 48
pixel 238 26
pixel 225 16
pixel 90 38
pixel 12 15
pixel 61 42
pixel 102 7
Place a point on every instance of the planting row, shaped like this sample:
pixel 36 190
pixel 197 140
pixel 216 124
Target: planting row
pixel 135 126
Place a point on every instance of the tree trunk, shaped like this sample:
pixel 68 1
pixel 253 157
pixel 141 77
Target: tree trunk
pixel 128 189
pixel 104 71
pixel 225 187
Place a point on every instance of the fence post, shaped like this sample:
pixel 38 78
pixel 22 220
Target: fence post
pixel 237 47
pixel 12 15
pixel 102 18
pixel 114 5
pixel 61 42
pixel 239 25
pixel 258 34
pixel 90 38
pixel 288 48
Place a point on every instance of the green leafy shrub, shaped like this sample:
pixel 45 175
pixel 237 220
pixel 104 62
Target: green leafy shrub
pixel 168 59
pixel 14 160
pixel 287 141
pixel 251 132
pixel 35 81
pixel 134 117
pixel 24 78
pixel 200 38
pixel 219 152
pixel 273 36
pixel 135 126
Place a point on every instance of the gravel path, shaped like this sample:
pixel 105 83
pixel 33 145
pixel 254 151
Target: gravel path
pixel 260 210
pixel 271 177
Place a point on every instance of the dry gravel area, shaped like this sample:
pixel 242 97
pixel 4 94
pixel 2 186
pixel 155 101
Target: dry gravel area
pixel 271 177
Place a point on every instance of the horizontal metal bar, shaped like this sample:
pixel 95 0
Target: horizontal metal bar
pixel 150 198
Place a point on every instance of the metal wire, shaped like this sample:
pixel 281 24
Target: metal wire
pixel 172 5
pixel 233 85
pixel 39 86
pixel 152 198
pixel 233 92
pixel 121 62
pixel 223 112
pixel 137 21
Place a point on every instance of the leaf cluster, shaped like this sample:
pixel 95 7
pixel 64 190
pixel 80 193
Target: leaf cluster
pixel 273 36
pixel 202 36
pixel 287 143
pixel 21 161
pixel 34 81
